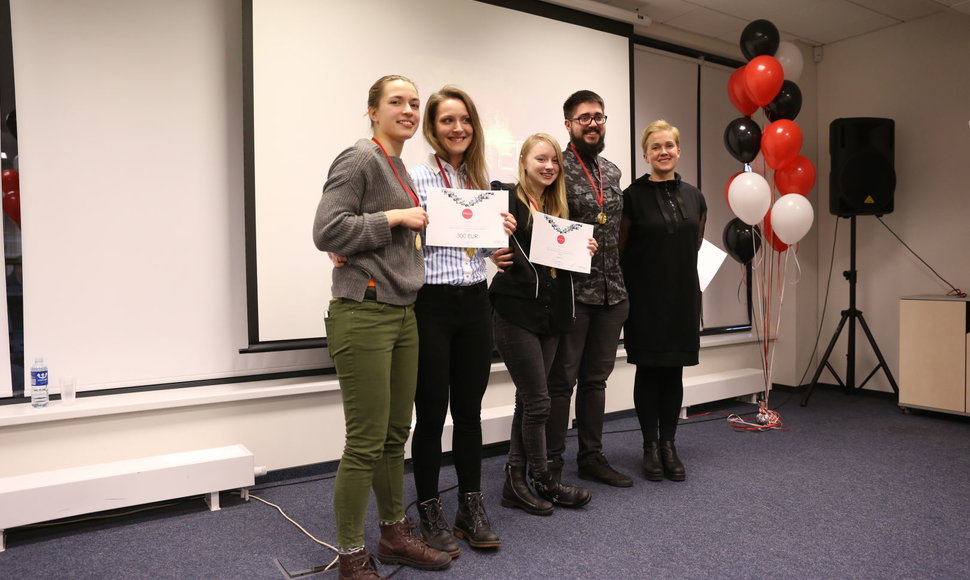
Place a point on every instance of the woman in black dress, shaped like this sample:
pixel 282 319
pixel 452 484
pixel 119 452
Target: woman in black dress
pixel 660 234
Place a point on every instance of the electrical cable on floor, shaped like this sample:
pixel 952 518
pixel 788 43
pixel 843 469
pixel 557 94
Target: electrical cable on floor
pixel 302 529
pixel 297 482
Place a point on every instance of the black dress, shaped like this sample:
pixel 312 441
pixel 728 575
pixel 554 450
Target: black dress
pixel 659 264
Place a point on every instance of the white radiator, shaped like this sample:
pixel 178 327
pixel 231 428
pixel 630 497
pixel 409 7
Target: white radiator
pixel 723 385
pixel 497 421
pixel 50 495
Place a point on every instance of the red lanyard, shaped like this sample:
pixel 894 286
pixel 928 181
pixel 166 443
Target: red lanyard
pixel 444 173
pixel 414 197
pixel 532 201
pixel 599 192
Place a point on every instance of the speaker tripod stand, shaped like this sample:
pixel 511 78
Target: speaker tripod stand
pixel 850 316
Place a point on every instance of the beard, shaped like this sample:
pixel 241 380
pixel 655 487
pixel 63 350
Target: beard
pixel 588 150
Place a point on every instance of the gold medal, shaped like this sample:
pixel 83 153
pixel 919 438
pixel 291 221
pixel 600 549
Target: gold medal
pixel 601 218
pixel 417 242
pixel 470 252
pixel 552 273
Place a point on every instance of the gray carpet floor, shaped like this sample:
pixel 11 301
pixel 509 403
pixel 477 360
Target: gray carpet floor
pixel 850 488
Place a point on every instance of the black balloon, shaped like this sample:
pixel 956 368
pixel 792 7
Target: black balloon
pixel 786 104
pixel 742 137
pixel 741 241
pixel 759 37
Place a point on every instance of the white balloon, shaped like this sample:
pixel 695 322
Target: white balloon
pixel 792 217
pixel 749 196
pixel 789 57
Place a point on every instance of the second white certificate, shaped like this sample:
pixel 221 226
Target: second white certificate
pixel 560 243
pixel 466 218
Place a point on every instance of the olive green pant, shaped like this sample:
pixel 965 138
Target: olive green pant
pixel 374 347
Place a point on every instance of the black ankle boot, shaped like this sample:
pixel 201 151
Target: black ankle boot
pixel 673 468
pixel 435 530
pixel 471 522
pixel 555 465
pixel 653 469
pixel 559 493
pixel 518 494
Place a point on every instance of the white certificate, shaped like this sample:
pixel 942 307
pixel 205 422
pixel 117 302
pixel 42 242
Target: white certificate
pixel 466 218
pixel 560 243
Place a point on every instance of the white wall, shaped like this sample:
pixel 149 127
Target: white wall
pixel 917 74
pixel 131 117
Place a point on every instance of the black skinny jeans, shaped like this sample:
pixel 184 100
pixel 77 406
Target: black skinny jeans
pixel 454 361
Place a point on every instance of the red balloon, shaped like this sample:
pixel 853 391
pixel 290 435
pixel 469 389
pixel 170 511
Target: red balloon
pixel 11 205
pixel 770 237
pixel 739 95
pixel 781 143
pixel 763 77
pixel 11 180
pixel 798 176
pixel 727 186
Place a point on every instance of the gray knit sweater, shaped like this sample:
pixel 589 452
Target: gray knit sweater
pixel 350 220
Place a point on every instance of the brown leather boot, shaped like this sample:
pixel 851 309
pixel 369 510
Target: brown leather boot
pixel 358 565
pixel 400 545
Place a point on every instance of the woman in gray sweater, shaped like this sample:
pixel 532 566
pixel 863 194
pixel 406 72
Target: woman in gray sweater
pixel 370 216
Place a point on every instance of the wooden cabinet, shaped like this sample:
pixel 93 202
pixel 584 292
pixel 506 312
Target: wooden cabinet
pixel 934 353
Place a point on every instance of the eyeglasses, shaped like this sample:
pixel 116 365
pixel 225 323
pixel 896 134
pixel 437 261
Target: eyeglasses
pixel 598 118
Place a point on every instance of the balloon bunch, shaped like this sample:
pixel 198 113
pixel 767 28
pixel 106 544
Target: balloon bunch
pixel 768 82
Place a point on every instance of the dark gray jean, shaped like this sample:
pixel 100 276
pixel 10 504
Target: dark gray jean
pixel 528 357
pixel 587 353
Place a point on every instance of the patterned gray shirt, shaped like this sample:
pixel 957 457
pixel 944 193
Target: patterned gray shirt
pixel 604 284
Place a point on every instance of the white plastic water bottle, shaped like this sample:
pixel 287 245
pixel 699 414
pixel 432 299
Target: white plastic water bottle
pixel 38 383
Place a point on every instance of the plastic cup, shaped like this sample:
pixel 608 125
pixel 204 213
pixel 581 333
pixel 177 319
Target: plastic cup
pixel 68 389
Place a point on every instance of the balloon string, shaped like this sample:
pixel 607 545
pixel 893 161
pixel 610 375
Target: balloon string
pixel 798 265
pixel 762 311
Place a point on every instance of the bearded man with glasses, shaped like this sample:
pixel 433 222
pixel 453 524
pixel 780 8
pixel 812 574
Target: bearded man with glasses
pixel 587 353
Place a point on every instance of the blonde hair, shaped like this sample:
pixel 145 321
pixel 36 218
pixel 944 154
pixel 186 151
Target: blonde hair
pixel 474 157
pixel 554 196
pixel 656 126
pixel 377 90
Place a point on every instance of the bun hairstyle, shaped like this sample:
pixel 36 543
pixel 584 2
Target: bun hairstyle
pixel 377 90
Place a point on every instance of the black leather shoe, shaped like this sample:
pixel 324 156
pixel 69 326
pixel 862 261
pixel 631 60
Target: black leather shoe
pixel 673 468
pixel 653 469
pixel 517 494
pixel 596 468
pixel 435 531
pixel 559 493
pixel 471 522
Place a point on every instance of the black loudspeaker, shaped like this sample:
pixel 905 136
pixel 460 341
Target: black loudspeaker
pixel 863 177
